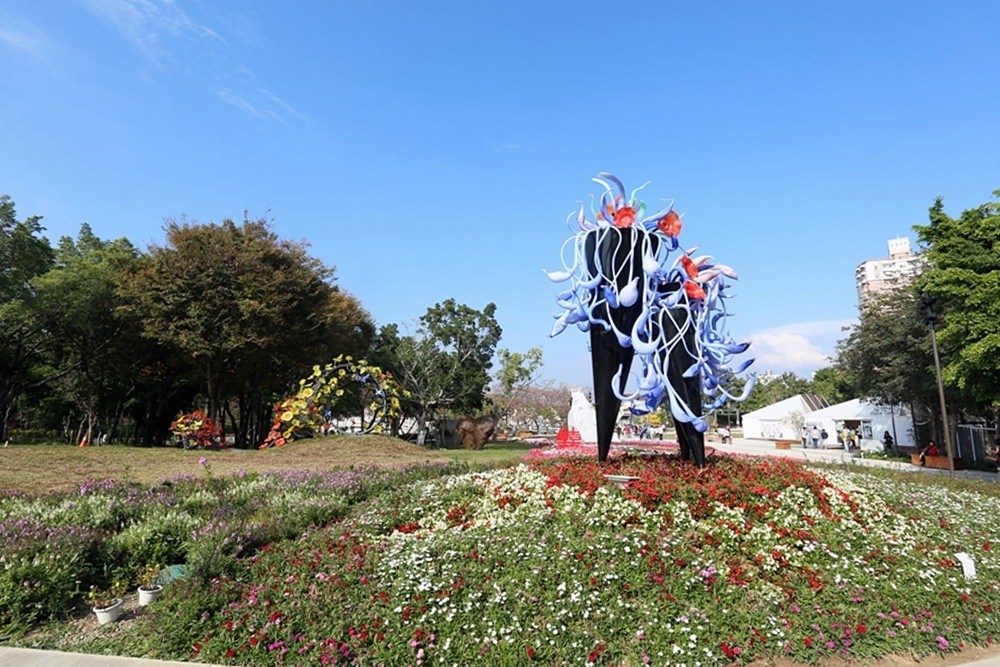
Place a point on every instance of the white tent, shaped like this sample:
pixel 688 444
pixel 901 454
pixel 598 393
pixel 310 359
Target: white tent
pixel 778 420
pixel 871 421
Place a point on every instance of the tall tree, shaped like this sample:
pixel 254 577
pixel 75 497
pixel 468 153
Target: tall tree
pixel 24 255
pixel 251 311
pixel 517 372
pixel 93 348
pixel 887 354
pixel 445 365
pixel 964 280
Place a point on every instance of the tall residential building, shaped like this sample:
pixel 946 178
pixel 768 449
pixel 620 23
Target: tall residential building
pixel 882 275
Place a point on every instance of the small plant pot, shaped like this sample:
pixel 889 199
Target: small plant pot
pixel 110 613
pixel 148 594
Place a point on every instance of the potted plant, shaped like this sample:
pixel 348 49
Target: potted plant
pixel 107 602
pixel 149 584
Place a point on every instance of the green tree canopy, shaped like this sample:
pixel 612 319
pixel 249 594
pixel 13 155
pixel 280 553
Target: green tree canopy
pixel 253 312
pixel 772 389
pixel 93 348
pixel 887 354
pixel 445 365
pixel 24 255
pixel 964 280
pixel 833 383
pixel 517 372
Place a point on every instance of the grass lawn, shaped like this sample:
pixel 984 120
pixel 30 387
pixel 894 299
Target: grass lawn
pixel 42 468
pixel 507 452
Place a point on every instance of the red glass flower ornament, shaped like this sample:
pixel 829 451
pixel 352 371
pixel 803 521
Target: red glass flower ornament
pixel 624 217
pixel 670 224
pixel 694 290
pixel 690 268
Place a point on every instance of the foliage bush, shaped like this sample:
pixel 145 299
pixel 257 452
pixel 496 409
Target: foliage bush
pixel 57 547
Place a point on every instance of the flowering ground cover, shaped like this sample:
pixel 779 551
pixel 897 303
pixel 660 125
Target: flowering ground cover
pixel 546 562
pixel 55 547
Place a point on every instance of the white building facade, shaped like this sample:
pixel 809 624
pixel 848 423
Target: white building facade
pixel 882 275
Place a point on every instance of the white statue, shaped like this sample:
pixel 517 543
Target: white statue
pixel 582 416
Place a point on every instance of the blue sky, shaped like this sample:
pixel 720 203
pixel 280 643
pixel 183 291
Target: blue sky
pixel 433 150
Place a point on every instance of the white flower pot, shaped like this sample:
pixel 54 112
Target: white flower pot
pixel 148 595
pixel 621 481
pixel 110 613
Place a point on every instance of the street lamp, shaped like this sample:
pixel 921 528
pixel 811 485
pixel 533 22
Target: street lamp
pixel 930 319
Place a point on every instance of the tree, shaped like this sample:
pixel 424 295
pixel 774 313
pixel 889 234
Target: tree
pixel 516 374
pixel 770 390
pixel 24 255
pixel 964 280
pixel 538 406
pixel 887 354
pixel 834 383
pixel 445 365
pixel 93 348
pixel 252 312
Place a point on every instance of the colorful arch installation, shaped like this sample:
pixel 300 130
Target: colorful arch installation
pixel 644 298
pixel 302 415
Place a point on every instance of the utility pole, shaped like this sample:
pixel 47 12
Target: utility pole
pixel 930 319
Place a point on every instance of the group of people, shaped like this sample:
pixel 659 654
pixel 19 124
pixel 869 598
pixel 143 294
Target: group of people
pixel 814 435
pixel 848 437
pixel 639 431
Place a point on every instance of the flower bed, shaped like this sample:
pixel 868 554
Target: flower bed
pixel 549 562
pixel 57 547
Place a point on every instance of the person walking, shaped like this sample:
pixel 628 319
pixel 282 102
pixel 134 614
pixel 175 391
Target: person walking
pixel 814 434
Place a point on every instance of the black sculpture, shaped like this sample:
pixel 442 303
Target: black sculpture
pixel 636 306
pixel 609 255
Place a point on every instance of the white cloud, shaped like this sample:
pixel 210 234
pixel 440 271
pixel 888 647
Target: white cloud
pixel 23 38
pixel 145 23
pixel 167 35
pixel 800 348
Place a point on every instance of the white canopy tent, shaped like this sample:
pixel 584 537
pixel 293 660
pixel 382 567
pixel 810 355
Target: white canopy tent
pixel 782 420
pixel 871 421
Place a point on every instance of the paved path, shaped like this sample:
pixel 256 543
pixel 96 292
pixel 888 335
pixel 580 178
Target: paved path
pixel 19 657
pixel 29 657
pixel 767 448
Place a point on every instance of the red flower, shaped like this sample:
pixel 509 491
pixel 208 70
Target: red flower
pixel 809 642
pixel 670 224
pixel 731 652
pixel 624 217
pixel 530 651
pixel 861 629
pixel 410 527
